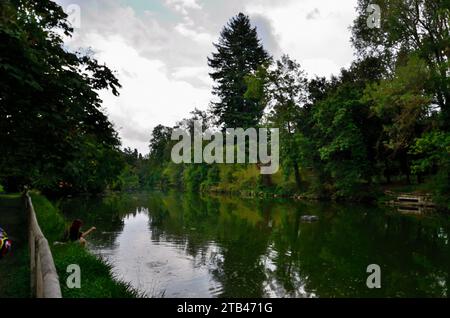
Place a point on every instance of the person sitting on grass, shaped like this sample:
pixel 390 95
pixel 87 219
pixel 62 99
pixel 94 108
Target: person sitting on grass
pixel 5 243
pixel 76 235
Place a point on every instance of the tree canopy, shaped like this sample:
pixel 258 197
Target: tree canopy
pixel 52 126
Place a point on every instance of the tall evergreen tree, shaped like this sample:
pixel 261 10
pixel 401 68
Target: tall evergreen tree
pixel 239 53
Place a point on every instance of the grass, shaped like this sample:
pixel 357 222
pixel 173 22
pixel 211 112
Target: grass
pixel 15 277
pixel 97 280
pixel 50 220
pixel 14 268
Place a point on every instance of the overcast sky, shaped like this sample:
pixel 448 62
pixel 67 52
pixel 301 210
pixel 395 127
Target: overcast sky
pixel 159 49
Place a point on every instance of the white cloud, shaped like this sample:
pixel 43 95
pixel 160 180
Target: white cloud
pixel 183 5
pixel 200 37
pixel 148 96
pixel 315 33
pixel 193 73
pixel 321 67
pixel 159 49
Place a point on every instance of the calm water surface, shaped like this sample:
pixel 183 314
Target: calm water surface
pixel 180 245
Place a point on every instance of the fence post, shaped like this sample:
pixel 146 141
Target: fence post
pixel 44 281
pixel 32 244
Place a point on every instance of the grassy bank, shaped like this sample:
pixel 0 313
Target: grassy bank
pixel 97 281
pixel 14 268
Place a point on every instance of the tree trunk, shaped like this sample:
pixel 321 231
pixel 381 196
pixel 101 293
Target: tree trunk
pixel 298 179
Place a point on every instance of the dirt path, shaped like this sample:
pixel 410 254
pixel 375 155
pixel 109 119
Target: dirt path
pixel 14 272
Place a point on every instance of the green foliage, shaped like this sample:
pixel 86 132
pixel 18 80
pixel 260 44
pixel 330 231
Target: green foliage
pixel 416 26
pixel 52 223
pixel 172 175
pixel 97 281
pixel 128 179
pixel 434 151
pixel 94 168
pixel 257 85
pixel 340 141
pixel 213 176
pixel 51 120
pixel 435 147
pixel 401 104
pixel 159 143
pixel 288 93
pixel 194 175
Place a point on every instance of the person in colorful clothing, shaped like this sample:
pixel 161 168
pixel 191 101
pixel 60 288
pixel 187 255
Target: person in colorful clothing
pixel 5 243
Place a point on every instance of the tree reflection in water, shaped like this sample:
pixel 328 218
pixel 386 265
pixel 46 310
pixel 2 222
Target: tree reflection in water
pixel 228 247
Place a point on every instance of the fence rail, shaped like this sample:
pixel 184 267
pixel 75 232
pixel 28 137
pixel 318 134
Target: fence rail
pixel 44 278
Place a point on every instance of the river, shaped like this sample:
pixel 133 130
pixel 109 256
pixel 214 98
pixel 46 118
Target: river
pixel 184 245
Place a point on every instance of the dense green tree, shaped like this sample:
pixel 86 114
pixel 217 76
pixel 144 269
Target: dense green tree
pixel 131 156
pixel 288 93
pixel 340 142
pixel 159 144
pixel 414 26
pixel 283 90
pixel 196 115
pixel 159 157
pixel 433 149
pixel 414 44
pixel 50 112
pixel 342 132
pixel 93 168
pixel 404 109
pixel 128 179
pixel 239 53
pixel 135 173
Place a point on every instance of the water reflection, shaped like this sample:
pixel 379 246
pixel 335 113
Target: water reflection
pixel 176 245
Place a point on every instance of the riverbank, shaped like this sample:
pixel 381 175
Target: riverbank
pixel 97 280
pixel 247 181
pixel 380 196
